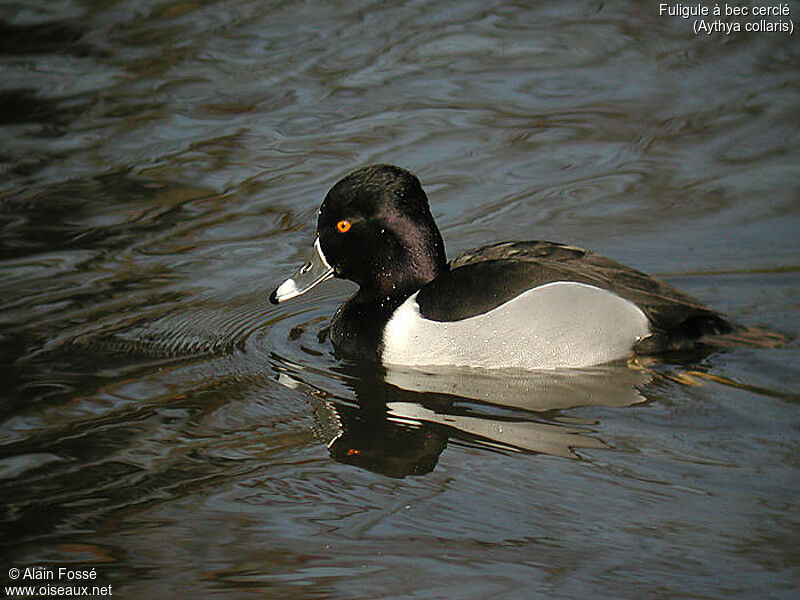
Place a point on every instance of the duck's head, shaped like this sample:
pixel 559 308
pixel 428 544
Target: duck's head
pixel 374 228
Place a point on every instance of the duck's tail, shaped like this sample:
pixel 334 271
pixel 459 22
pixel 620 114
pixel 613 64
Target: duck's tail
pixel 742 335
pixel 710 331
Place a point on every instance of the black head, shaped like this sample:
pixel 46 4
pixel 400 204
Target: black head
pixel 375 228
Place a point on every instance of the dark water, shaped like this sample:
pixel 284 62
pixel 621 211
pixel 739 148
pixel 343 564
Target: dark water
pixel 162 163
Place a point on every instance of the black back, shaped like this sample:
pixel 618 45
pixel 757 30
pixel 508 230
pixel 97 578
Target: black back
pixel 483 279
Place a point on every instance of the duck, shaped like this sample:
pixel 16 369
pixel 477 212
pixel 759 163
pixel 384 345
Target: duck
pixel 515 304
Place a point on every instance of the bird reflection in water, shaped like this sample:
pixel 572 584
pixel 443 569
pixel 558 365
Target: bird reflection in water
pixel 401 420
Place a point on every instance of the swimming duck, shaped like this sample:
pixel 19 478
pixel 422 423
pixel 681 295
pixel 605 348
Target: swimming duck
pixel 529 305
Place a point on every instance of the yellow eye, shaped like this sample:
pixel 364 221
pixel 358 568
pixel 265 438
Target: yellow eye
pixel 343 226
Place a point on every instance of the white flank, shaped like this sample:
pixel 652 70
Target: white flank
pixel 556 325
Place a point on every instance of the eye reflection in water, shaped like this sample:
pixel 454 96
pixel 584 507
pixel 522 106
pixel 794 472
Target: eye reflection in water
pixel 401 420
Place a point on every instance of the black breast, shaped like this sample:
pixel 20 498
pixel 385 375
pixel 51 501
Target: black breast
pixel 357 327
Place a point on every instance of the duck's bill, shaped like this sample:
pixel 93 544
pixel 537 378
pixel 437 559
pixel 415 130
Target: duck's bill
pixel 315 271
